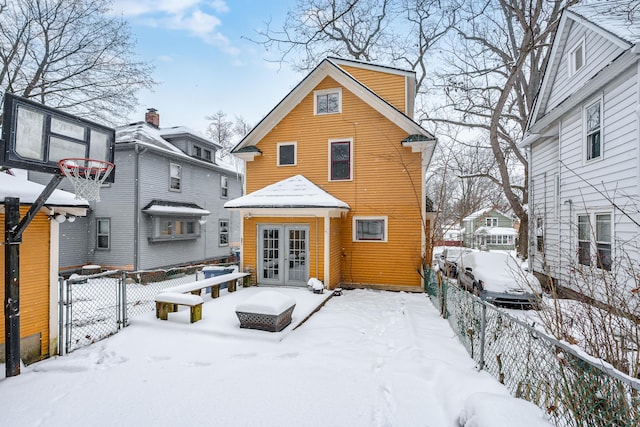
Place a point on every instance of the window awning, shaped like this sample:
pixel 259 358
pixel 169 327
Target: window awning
pixel 169 208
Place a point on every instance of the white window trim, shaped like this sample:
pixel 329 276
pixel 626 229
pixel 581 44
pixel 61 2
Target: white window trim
pixel 171 164
pixel 570 57
pixel 370 218
pixel 593 243
pixel 295 153
pixel 585 145
pixel 351 159
pixel 324 92
pixel 493 219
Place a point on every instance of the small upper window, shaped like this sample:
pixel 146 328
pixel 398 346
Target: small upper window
pixel 328 101
pixel 197 151
pixel 492 222
pixel 207 155
pixel 593 131
pixel 287 154
pixel 370 229
pixel 340 167
pixel 224 186
pixel 576 58
pixel 175 177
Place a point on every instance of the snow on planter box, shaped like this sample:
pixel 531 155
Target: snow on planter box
pixel 268 311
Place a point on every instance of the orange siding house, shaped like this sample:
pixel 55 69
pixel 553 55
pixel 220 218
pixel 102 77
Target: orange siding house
pixel 38 266
pixel 334 182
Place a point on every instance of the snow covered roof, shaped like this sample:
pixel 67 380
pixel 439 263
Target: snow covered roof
pixel 166 207
pixel 619 17
pixel 481 212
pixel 158 138
pixel 28 192
pixel 294 192
pixel 496 231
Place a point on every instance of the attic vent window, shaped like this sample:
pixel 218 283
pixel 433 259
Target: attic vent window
pixel 576 58
pixel 328 101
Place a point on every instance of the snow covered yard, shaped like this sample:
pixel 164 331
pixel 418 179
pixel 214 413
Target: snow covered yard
pixel 366 358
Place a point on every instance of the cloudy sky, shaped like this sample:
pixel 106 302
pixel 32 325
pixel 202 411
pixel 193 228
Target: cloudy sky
pixel 203 59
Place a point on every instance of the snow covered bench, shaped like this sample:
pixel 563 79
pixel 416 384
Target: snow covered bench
pixel 213 283
pixel 168 302
pixel 268 311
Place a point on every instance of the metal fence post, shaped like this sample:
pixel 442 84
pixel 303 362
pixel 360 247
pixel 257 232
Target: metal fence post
pixel 123 298
pixel 61 313
pixel 68 316
pixel 483 329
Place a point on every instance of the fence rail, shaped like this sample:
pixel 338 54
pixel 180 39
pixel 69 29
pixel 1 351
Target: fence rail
pixel 571 387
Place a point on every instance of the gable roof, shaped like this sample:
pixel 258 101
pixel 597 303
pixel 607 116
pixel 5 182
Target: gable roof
pixel 294 192
pixel 480 213
pixel 615 20
pixel 329 68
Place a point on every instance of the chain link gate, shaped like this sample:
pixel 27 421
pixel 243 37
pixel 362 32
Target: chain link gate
pixel 94 307
pixel 91 309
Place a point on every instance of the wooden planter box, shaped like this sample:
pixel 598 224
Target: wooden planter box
pixel 266 311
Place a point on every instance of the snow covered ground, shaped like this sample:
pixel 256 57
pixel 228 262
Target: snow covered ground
pixel 367 358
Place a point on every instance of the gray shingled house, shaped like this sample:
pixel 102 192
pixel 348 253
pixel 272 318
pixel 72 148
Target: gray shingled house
pixel 165 207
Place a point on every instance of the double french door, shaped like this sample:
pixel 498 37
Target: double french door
pixel 283 254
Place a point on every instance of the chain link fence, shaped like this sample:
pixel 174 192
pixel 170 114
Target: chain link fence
pixel 571 387
pixel 94 307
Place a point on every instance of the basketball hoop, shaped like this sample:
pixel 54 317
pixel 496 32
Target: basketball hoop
pixel 86 175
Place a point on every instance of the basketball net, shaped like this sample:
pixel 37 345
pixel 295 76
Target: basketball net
pixel 86 175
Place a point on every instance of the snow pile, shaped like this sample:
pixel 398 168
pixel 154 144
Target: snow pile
pixel 266 302
pixel 315 285
pixel 494 410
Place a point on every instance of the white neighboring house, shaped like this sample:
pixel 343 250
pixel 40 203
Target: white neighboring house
pixel 583 143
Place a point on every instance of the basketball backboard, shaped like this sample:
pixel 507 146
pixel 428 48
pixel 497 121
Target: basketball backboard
pixel 36 137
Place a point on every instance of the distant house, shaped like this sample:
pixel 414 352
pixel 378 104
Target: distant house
pixel 583 145
pixel 335 182
pixel 489 229
pixel 38 265
pixel 165 207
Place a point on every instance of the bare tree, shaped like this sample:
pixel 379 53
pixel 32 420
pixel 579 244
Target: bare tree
pixel 494 65
pixel 72 55
pixel 241 127
pixel 221 131
pixel 491 55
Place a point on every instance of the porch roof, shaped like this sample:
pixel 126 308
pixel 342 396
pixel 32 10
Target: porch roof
pixel 294 193
pixel 496 231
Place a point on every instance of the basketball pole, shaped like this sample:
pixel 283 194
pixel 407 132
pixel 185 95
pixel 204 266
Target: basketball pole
pixel 14 228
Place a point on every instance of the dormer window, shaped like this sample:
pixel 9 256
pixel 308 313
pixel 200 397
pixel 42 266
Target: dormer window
pixel 207 155
pixel 327 101
pixel 576 58
pixel 197 151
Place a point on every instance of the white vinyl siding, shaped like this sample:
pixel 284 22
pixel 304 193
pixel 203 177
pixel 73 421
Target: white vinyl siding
pixel 598 53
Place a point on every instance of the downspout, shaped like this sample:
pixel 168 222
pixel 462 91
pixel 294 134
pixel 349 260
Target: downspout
pixel 557 197
pixel 136 205
pixel 531 222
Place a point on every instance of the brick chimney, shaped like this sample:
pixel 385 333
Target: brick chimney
pixel 152 117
